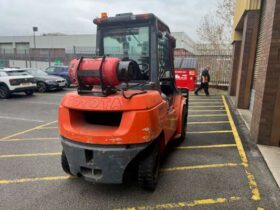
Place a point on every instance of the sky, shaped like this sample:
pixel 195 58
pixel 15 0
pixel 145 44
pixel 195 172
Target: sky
pixel 75 16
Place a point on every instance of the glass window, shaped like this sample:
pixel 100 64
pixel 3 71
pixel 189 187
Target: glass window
pixel 37 72
pixel 17 73
pixel 164 57
pixel 50 69
pixel 129 43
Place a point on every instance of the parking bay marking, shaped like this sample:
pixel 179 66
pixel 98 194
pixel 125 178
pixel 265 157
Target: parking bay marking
pixel 207 146
pixel 208 122
pixel 208 132
pixel 220 110
pixel 207 103
pixel 207 106
pixel 59 153
pixel 42 94
pixel 20 119
pixel 251 179
pixel 181 168
pixel 208 115
pixel 184 168
pixel 30 155
pixel 40 102
pixel 210 99
pixel 45 128
pixel 28 130
pixel 25 180
pixel 185 204
pixel 30 139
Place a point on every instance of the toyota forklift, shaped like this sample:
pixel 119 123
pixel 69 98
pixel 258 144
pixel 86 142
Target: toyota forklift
pixel 126 108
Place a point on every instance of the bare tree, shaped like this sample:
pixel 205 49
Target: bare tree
pixel 216 28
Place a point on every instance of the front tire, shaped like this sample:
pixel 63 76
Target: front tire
pixel 65 164
pixel 4 92
pixel 148 168
pixel 41 87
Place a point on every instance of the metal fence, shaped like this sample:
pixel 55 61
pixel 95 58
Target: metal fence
pixel 220 68
pixel 220 63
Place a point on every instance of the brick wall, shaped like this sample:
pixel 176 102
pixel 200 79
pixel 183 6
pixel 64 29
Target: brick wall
pixel 266 109
pixel 247 58
pixel 235 65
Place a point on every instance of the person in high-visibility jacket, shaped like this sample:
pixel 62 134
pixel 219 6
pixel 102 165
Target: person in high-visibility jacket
pixel 205 79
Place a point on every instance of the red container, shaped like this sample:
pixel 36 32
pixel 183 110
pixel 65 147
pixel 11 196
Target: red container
pixel 186 72
pixel 186 78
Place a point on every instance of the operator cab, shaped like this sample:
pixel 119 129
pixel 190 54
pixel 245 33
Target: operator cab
pixel 143 39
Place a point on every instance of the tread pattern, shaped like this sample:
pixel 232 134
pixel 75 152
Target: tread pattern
pixel 65 164
pixel 148 169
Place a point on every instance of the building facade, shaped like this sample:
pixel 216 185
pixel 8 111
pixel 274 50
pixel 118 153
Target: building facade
pixel 255 80
pixel 69 42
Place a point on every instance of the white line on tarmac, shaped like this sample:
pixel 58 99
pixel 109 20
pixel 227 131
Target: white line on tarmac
pixel 20 119
pixel 40 102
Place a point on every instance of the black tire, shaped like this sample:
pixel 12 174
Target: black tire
pixel 183 123
pixel 4 92
pixel 42 87
pixel 29 92
pixel 65 164
pixel 148 168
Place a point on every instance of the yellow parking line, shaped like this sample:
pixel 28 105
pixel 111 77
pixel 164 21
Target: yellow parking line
pixel 42 94
pixel 28 130
pixel 44 128
pixel 207 106
pixel 207 115
pixel 26 180
pixel 259 208
pixel 183 168
pixel 207 146
pixel 30 155
pixel 209 132
pixel 208 103
pixel 206 122
pixel 221 110
pixel 185 204
pixel 251 179
pixel 30 139
pixel 210 99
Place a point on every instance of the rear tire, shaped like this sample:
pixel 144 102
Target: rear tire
pixel 41 87
pixel 29 92
pixel 184 123
pixel 148 168
pixel 4 92
pixel 65 164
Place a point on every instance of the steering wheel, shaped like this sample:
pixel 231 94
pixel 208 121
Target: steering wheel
pixel 145 67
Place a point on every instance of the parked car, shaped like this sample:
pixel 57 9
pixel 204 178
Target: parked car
pixel 16 80
pixel 46 82
pixel 61 71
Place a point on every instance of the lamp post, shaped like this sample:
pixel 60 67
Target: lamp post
pixel 35 29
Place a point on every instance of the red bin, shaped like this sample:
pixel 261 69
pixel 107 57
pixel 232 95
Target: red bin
pixel 186 73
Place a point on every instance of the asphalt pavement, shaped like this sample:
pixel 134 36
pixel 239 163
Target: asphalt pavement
pixel 216 167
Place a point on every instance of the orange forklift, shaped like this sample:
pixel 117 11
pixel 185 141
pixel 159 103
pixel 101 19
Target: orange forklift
pixel 126 108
